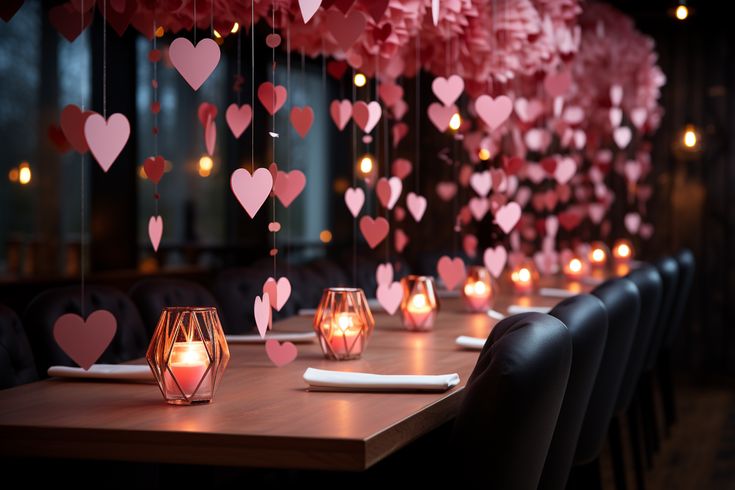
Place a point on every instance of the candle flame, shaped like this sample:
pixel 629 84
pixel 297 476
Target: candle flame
pixel 575 265
pixel 598 255
pixel 419 300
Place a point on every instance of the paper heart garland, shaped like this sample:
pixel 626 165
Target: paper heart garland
pixel 495 259
pixel 280 354
pixel 341 112
pixel 84 341
pixel 301 119
pixel 366 116
pixel 416 205
pixel 354 198
pixel 278 291
pixel 451 271
pixel 195 64
pixel 389 296
pixel 448 90
pixel 374 230
pixel 288 186
pixel 106 139
pixel 309 8
pixel 493 112
pixel 508 216
pixel 384 273
pixel 400 240
pixel 238 118
pixel 262 313
pixel 390 93
pixel 337 69
pixel 272 97
pixel 72 124
pixel 154 168
pixel 155 231
pixel 251 191
pixel 345 28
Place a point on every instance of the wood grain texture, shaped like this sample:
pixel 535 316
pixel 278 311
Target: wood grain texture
pixel 262 416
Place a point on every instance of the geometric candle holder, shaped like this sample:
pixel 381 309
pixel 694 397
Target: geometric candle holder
pixel 188 354
pixel 420 304
pixel 478 291
pixel 343 323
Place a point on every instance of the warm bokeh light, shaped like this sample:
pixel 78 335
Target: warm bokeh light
pixel 366 165
pixel 235 28
pixel 325 236
pixel 340 185
pixel 24 173
pixel 575 265
pixel 524 275
pixel 205 166
pixel 419 301
pixel 681 12
pixel 160 31
pixel 455 122
pixel 689 139
pixel 623 251
pixel 360 80
pixel 217 34
pixel 598 255
pixel 13 175
pixel 483 154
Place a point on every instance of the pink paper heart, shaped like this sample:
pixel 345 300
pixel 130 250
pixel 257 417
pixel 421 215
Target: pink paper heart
pixel 390 93
pixel 354 198
pixel 493 112
pixel 396 187
pixel 399 131
pixel 622 136
pixel 596 212
pixel 632 222
pixel 448 90
pixel 537 139
pixel 210 136
pixel 238 118
pixel 465 173
pixel 401 168
pixel 446 190
pixel 366 116
pixel 399 109
pixel 416 205
pixel 273 40
pixel 309 8
pixel 383 191
pixel 384 273
pixel 451 271
pixel 251 191
pixel 440 115
pixel 272 97
pixel 495 259
pixel 573 115
pixel 274 226
pixel 72 124
pixel 478 207
pixel 616 116
pixel 638 117
pixel 565 170
pixel 288 186
pixel 345 28
pixel 481 182
pixel 106 139
pixel 646 231
pixel 262 313
pixel 552 226
pixel 507 216
pixel 85 341
pixel 528 110
pixel 616 94
pixel 155 231
pixel 280 354
pixel 278 291
pixel 195 64
pixel 374 230
pixel 301 119
pixel 389 296
pixel 400 240
pixel 633 170
pixel 469 245
pixel 557 84
pixel 580 138
pixel 341 112
pixel 547 262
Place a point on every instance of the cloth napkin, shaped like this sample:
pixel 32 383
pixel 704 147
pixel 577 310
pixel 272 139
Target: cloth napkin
pixel 295 337
pixel 324 380
pixel 471 343
pixel 556 293
pixel 515 309
pixel 495 314
pixel 121 372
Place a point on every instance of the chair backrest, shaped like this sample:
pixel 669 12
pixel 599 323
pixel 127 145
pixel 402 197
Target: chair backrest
pixel 17 365
pixel 130 340
pixel 623 304
pixel 650 288
pixel 586 318
pixel 685 260
pixel 668 269
pixel 511 402
pixel 235 291
pixel 152 295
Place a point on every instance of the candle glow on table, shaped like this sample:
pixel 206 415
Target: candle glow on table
pixel 523 277
pixel 597 255
pixel 187 365
pixel 419 305
pixel 345 336
pixel 575 268
pixel 478 291
pixel 343 322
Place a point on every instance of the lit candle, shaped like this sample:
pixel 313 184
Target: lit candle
pixel 343 322
pixel 597 255
pixel 522 278
pixel 478 290
pixel 187 364
pixel 622 251
pixel 576 268
pixel 344 335
pixel 419 308
pixel 419 305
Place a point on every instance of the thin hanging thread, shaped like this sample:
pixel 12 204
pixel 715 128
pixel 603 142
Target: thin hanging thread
pixel 417 114
pixel 155 114
pixel 104 59
pixel 252 85
pixel 288 147
pixel 81 203
pixel 194 29
pixel 273 118
pixel 354 186
pixel 239 67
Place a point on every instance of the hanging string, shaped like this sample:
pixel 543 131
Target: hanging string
pixel 417 114
pixel 354 186
pixel 194 29
pixel 155 114
pixel 252 85
pixel 82 253
pixel 104 59
pixel 238 83
pixel 273 118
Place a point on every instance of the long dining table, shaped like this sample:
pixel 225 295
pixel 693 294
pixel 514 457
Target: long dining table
pixel 262 416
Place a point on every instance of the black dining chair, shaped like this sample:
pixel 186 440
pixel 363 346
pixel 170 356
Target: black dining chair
pixel 130 340
pixel 685 261
pixel 17 365
pixel 153 294
pixel 650 288
pixel 507 417
pixel 586 318
pixel 622 303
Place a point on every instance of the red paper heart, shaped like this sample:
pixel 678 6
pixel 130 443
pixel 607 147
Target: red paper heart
pixel 288 186
pixel 376 8
pixel 336 69
pixel 451 271
pixel 56 136
pixel 374 230
pixel 569 220
pixel 67 20
pixel 272 97
pixel 301 119
pixel 85 341
pixel 72 124
pixel 341 112
pixel 154 55
pixel 154 168
pixel 549 165
pixel 557 84
pixel 390 93
pixel 345 28
pixel 399 132
pixel 400 240
pixel 8 8
pixel 205 112
pixel 401 168
pixel 512 165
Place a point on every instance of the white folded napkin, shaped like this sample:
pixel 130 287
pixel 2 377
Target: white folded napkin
pixel 471 343
pixel 556 293
pixel 324 380
pixel 121 372
pixel 295 337
pixel 515 309
pixel 495 314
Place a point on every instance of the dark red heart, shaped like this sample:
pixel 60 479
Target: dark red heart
pixel 66 20
pixel 155 107
pixel 56 135
pixel 154 55
pixel 154 167
pixel 336 69
pixel 512 165
pixel 8 8
pixel 549 165
pixel 376 8
pixel 120 20
pixel 569 220
pixel 384 31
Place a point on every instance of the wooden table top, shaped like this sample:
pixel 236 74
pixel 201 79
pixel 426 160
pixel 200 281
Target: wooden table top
pixel 262 416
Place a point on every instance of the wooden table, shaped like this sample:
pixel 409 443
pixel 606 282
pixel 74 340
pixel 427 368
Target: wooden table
pixel 262 416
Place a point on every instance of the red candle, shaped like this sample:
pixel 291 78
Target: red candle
pixel 187 364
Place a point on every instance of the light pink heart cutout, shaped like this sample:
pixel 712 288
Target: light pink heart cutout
pixel 633 170
pixel 493 112
pixel 495 259
pixel 396 187
pixel 508 216
pixel 262 313
pixel 308 8
pixel 622 136
pixel 280 354
pixel 632 222
pixel 384 273
pixel 278 291
pixel 155 231
pixel 440 115
pixel 448 90
pixel 374 230
pixel 565 170
pixel 238 118
pixel 616 116
pixel 85 341
pixel 389 296
pixel 106 139
pixel 301 119
pixel 451 271
pixel 616 94
pixel 195 64
pixel 251 191
pixel 416 205
pixel 366 116
pixel 481 182
pixel 288 186
pixel 638 116
pixel 354 198
pixel 478 207
pixel 341 112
